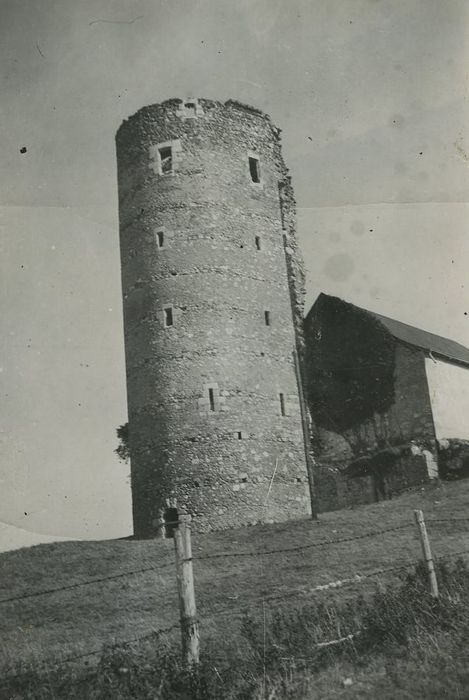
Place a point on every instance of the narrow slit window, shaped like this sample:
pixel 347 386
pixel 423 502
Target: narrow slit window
pixel 254 169
pixel 267 318
pixel 240 435
pixel 258 242
pixel 211 398
pixel 166 160
pixel 159 238
pixel 168 316
pixel 282 404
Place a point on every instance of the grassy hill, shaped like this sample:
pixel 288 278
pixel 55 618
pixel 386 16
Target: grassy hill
pixel 43 630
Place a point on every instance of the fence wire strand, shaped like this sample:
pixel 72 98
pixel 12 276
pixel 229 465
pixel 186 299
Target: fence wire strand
pixel 95 652
pixel 217 555
pixel 452 554
pixel 357 578
pixel 89 582
pixel 284 550
pixel 351 579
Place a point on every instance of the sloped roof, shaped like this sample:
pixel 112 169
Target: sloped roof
pixel 436 344
pixel 425 340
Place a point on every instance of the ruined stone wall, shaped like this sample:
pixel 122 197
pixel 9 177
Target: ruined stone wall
pixel 202 248
pixel 453 458
pixel 335 491
pixel 408 417
pixel 367 393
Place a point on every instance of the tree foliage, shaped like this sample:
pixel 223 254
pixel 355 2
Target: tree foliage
pixel 352 366
pixel 123 448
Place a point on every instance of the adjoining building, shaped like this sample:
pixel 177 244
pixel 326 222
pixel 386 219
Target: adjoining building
pixel 390 404
pixel 213 290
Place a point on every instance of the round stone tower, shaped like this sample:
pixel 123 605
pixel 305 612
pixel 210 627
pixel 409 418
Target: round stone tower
pixel 213 308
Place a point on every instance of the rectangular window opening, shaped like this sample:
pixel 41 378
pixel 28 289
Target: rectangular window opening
pixel 166 160
pixel 267 318
pixel 240 435
pixel 211 399
pixel 160 239
pixel 168 316
pixel 258 242
pixel 282 404
pixel 254 169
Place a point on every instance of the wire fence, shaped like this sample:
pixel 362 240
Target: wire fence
pixel 301 548
pixel 223 555
pixel 216 555
pixel 235 609
pixel 81 584
pixel 98 651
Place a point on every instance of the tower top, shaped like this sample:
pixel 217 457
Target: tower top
pixel 200 106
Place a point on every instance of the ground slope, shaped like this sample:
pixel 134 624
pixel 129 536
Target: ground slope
pixel 47 628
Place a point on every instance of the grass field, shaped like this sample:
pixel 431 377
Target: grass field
pixel 43 630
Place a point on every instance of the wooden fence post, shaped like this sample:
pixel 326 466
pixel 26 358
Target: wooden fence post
pixel 427 552
pixel 185 579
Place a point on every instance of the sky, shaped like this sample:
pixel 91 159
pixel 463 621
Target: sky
pixel 371 96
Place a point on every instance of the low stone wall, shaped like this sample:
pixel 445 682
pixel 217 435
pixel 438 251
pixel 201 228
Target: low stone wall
pixel 336 490
pixel 453 458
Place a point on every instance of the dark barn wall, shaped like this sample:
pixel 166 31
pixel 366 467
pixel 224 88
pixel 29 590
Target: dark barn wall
pixel 207 426
pixel 367 393
pixel 407 417
pixel 411 413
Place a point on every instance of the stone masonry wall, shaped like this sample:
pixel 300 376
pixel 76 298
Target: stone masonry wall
pixel 408 419
pixel 214 417
pixel 368 393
